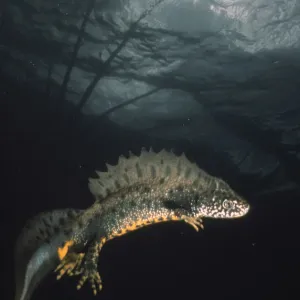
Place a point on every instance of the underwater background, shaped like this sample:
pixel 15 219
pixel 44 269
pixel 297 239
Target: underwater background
pixel 83 82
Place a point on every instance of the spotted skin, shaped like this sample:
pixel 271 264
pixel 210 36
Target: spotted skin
pixel 138 207
pixel 140 191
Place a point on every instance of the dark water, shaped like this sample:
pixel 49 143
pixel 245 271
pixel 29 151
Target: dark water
pixel 244 128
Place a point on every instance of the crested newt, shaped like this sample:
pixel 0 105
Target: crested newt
pixel 138 191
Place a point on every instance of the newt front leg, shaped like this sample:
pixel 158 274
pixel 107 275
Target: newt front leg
pixel 196 223
pixel 185 215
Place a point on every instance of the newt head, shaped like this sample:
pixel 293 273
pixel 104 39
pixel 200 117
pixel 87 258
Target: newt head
pixel 222 202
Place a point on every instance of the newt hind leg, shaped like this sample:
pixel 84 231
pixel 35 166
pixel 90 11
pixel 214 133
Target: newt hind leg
pixel 90 265
pixel 84 264
pixel 70 265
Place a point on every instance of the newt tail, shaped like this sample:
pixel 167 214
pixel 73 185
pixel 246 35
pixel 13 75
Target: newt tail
pixel 137 192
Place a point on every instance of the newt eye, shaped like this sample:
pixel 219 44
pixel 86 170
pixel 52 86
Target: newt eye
pixel 227 204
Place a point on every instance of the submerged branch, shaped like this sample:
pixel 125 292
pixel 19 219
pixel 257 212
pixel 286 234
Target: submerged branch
pixel 113 55
pixel 77 46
